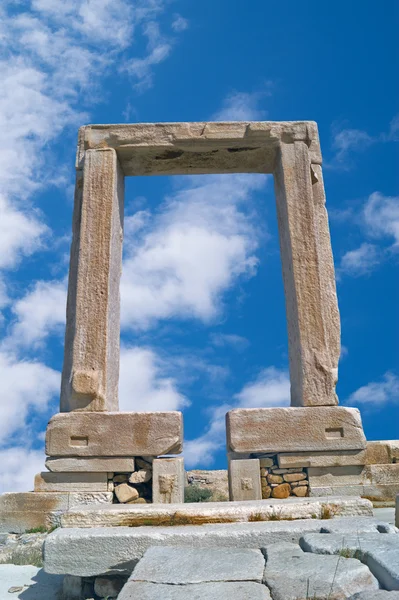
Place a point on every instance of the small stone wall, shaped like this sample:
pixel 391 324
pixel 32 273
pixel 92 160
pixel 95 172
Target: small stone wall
pixel 136 487
pixel 282 483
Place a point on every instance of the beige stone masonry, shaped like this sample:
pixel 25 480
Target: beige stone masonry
pixel 91 358
pixel 98 464
pixel 244 479
pixel 129 434
pixel 168 479
pixel 381 474
pixel 335 476
pixel 335 458
pixel 71 482
pixel 308 273
pixel 280 430
pixel 382 452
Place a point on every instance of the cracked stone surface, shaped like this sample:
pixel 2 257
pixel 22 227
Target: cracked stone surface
pixel 380 552
pixel 202 591
pixel 292 574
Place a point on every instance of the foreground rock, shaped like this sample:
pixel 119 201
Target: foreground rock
pixel 117 549
pixel 24 549
pixel 292 574
pixel 379 552
pixel 181 573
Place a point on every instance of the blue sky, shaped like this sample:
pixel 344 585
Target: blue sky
pixel 203 316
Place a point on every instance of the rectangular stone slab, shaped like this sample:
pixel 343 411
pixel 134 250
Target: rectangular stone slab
pixel 26 510
pixel 244 479
pixel 332 476
pixel 98 464
pixel 195 148
pixel 71 482
pixel 115 434
pixel 237 590
pixel 335 458
pixel 168 480
pixel 318 428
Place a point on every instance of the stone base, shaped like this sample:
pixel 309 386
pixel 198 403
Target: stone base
pixel 98 434
pixel 20 512
pixel 310 429
pixel 135 515
pixel 117 549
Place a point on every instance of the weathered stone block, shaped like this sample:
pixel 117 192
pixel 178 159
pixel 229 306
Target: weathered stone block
pixel 91 360
pixel 335 458
pixel 309 280
pixel 22 511
pixel 71 482
pixel 318 428
pixel 129 434
pixel 98 464
pixel 377 453
pixel 381 474
pixel 126 493
pixel 237 590
pixel 168 480
pixel 335 476
pixel 244 479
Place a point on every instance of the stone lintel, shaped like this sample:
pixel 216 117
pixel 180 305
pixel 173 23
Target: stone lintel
pixel 168 480
pixel 91 434
pixel 336 458
pixel 294 429
pixel 195 148
pixel 244 479
pixel 335 476
pixel 97 464
pixel 71 482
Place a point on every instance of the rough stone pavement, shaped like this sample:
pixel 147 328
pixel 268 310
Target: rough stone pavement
pixel 279 571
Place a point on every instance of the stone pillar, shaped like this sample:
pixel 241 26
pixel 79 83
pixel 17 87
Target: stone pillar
pixel 308 273
pixel 168 480
pixel 91 359
pixel 244 479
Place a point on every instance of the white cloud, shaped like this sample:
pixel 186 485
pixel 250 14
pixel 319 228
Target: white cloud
pixel 360 261
pixel 270 388
pixel 19 465
pixel 179 23
pixel 144 383
pixel 381 216
pixel 377 393
pixel 199 244
pixel 348 140
pixel 241 106
pixel 27 387
pixel 158 49
pixel 39 313
pixel 344 352
pixel 229 339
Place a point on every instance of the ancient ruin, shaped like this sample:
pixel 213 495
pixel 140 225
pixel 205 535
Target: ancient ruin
pixel 97 455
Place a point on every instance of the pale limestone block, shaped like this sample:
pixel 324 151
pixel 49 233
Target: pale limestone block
pixel 377 453
pixel 294 477
pixel 338 490
pixel 91 360
pixel 129 434
pixel 141 476
pixel 98 464
pixel 125 493
pixel 335 476
pixel 318 428
pixel 168 480
pixel 309 281
pixel 27 510
pixel 381 474
pixel 334 458
pixel 195 148
pixel 71 482
pixel 381 492
pixel 244 479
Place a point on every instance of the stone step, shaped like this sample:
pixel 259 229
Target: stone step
pixel 134 515
pixel 106 550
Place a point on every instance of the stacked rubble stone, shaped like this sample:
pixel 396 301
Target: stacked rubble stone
pixel 136 487
pixel 281 483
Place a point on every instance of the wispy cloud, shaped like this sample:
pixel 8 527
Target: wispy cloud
pixel 377 393
pixel 270 388
pixel 242 106
pixel 360 261
pixel 179 23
